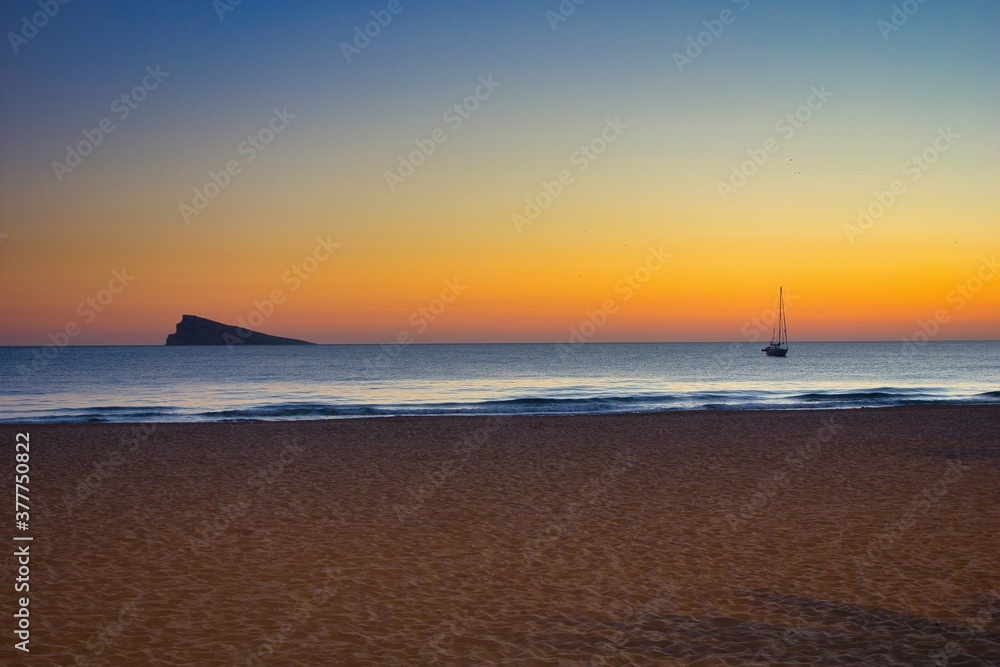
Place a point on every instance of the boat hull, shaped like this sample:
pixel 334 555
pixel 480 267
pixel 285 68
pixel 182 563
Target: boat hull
pixel 776 352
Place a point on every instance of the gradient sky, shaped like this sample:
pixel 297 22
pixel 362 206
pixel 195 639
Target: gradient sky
pixel 656 185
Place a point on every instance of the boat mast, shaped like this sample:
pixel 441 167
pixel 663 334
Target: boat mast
pixel 782 326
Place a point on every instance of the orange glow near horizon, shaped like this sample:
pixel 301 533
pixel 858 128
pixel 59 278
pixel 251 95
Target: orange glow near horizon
pixel 369 293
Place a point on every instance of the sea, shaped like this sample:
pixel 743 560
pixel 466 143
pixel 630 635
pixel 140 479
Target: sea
pixel 198 384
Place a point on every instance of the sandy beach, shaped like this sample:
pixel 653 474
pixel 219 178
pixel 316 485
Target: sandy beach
pixel 700 538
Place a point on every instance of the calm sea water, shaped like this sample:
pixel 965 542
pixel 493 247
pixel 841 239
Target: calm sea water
pixel 219 383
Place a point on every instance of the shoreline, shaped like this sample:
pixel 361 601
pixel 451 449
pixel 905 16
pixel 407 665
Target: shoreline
pixel 943 405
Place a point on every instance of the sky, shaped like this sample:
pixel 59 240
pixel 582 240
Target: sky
pixel 500 172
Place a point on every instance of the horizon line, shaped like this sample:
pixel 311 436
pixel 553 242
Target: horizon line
pixel 641 342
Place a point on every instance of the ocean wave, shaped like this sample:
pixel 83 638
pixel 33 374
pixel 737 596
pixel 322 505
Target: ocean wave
pixel 874 397
pixel 531 404
pixel 292 410
pixel 715 399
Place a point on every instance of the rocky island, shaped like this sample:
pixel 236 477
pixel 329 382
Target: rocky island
pixel 194 330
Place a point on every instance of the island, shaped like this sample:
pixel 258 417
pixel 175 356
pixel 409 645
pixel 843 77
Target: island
pixel 194 330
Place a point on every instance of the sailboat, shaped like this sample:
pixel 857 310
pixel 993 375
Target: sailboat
pixel 779 347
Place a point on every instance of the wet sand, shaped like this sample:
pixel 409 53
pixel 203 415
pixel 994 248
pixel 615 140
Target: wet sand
pixel 700 538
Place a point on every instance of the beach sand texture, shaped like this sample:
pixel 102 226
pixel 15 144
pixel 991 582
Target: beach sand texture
pixel 700 538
